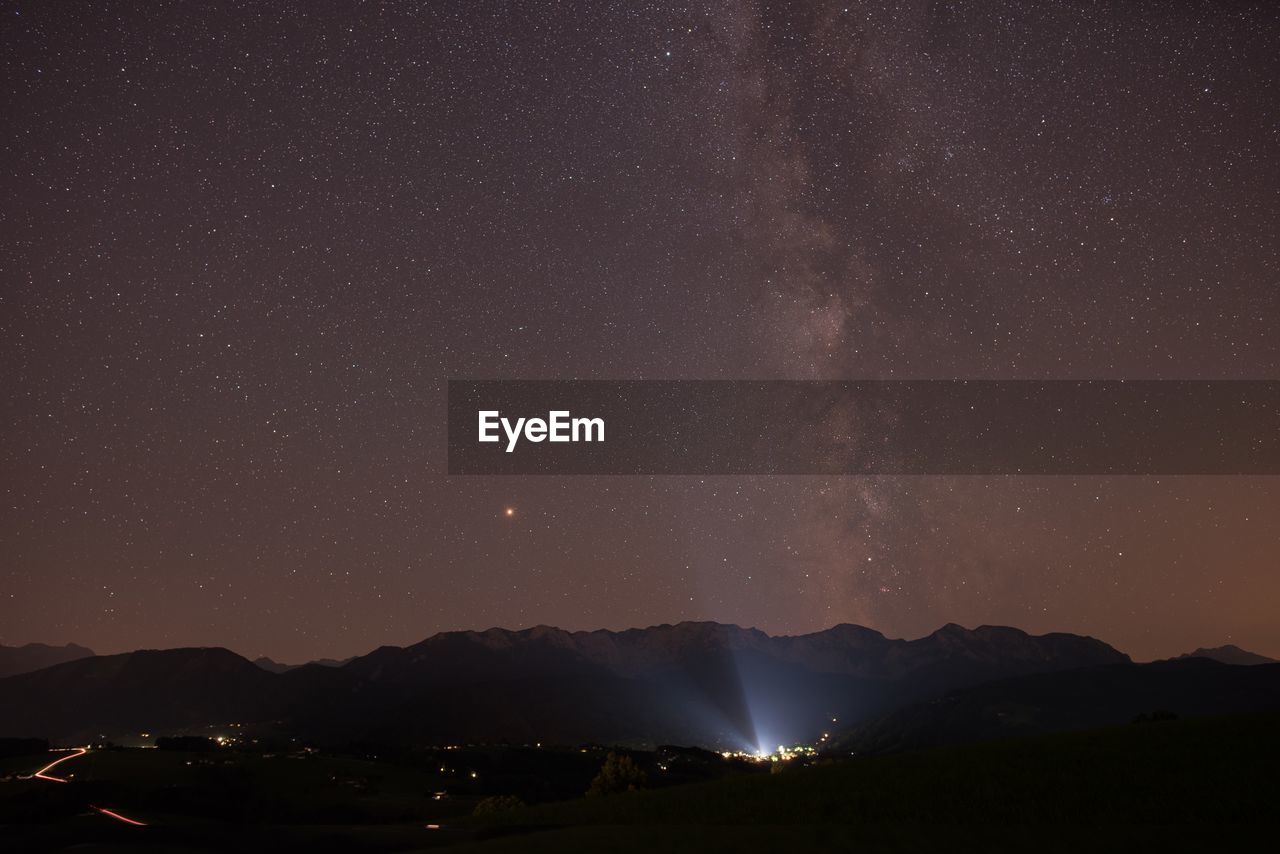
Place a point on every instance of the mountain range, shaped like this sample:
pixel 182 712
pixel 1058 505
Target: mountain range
pixel 703 683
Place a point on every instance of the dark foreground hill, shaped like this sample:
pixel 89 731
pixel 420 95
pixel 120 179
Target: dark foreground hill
pixel 35 656
pixel 1182 785
pixel 702 683
pixel 1069 700
pixel 1174 785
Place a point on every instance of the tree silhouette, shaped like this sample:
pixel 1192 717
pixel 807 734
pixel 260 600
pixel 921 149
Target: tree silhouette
pixel 618 774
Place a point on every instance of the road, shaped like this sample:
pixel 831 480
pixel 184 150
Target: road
pixel 43 774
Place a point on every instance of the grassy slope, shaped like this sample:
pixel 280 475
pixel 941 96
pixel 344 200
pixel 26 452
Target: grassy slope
pixel 1212 771
pixel 1137 787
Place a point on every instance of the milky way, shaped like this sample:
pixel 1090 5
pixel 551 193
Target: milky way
pixel 244 246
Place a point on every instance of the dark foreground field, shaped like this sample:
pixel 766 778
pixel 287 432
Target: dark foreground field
pixel 1166 785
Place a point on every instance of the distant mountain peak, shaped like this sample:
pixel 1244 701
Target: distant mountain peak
pixel 1229 654
pixel 853 628
pixel 272 666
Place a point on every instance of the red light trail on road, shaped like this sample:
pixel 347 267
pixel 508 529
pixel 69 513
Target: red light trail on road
pixel 43 774
pixel 119 817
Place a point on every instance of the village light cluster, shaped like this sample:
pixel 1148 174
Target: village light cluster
pixel 782 754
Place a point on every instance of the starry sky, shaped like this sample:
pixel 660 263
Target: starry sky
pixel 244 245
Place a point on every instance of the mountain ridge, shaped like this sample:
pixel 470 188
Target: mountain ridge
pixel 619 648
pixel 692 682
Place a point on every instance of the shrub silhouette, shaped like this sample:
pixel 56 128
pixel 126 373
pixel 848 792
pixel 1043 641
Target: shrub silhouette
pixel 618 774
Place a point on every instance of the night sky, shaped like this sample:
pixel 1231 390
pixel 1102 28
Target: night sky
pixel 244 245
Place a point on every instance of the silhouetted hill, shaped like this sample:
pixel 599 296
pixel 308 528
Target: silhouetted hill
pixel 273 666
pixel 1228 654
pixel 34 656
pixel 147 690
pixel 695 683
pixel 1072 700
